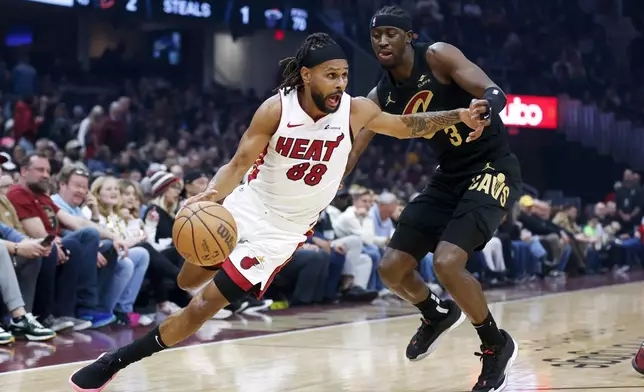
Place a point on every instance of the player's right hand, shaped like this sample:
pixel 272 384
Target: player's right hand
pixel 207 195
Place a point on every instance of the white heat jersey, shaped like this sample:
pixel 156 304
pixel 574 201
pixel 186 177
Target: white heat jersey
pixel 299 173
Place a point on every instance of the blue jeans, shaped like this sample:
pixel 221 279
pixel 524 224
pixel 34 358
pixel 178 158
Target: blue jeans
pixel 539 252
pixel 565 256
pixel 374 253
pixel 632 248
pixel 122 291
pixel 49 298
pixel 426 267
pixel 332 284
pixel 83 247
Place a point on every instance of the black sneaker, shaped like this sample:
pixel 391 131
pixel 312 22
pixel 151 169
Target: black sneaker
pixel 430 332
pixel 496 364
pixel 96 376
pixel 257 305
pixel 29 328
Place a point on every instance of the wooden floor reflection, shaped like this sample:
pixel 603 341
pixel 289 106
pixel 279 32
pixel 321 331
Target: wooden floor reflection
pixel 579 341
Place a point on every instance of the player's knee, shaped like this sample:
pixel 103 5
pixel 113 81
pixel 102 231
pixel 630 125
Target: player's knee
pixel 201 309
pixel 449 259
pixel 352 242
pixel 185 283
pixel 394 266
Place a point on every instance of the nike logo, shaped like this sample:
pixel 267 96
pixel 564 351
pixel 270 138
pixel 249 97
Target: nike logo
pixel 289 125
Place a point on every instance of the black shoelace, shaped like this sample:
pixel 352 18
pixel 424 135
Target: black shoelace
pixel 112 362
pixel 425 329
pixel 490 365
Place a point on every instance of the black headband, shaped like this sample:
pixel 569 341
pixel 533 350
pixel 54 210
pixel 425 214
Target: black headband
pixel 318 56
pixel 391 20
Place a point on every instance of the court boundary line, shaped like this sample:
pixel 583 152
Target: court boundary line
pixel 320 328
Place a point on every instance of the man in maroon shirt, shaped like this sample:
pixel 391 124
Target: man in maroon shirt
pixel 112 132
pixel 76 281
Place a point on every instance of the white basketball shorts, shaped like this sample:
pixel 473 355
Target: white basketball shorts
pixel 265 242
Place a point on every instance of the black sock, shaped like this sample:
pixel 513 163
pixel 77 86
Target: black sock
pixel 432 308
pixel 141 348
pixel 489 332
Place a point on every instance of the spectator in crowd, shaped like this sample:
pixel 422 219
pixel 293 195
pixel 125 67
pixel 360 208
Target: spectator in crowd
pixel 165 190
pixel 161 269
pixel 112 132
pixel 302 280
pixel 194 182
pixel 121 294
pixel 534 220
pixel 494 259
pixel 77 275
pixel 380 213
pixel 74 198
pixel 88 128
pixel 73 155
pixel 567 220
pixel 24 77
pixel 26 123
pixel 349 270
pixel 23 324
pixel 355 220
pixel 28 269
pixel 629 200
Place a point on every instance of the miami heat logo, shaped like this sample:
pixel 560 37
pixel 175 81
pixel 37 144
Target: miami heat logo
pixel 250 262
pixel 419 102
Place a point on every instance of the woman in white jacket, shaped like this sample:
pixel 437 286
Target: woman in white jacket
pixel 123 290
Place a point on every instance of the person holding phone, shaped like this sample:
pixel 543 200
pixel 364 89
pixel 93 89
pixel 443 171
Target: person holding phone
pixel 23 324
pixel 77 251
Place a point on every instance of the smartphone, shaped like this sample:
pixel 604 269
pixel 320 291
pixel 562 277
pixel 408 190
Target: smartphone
pixel 48 240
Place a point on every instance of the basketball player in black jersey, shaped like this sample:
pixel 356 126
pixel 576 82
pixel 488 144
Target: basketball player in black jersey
pixel 459 210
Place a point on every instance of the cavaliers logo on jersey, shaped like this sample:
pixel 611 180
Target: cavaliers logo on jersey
pixel 419 102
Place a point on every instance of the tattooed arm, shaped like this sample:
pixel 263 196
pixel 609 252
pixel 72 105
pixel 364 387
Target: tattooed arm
pixel 366 114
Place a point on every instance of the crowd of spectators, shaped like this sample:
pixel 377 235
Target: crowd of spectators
pixel 87 171
pixel 558 47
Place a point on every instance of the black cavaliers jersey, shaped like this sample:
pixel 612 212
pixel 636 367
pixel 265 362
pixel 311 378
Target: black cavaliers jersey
pixel 422 92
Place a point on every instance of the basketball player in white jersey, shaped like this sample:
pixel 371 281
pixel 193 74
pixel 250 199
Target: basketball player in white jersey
pixel 302 136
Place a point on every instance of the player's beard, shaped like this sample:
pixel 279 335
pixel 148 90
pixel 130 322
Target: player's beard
pixel 320 102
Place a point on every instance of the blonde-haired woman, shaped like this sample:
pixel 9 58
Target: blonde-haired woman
pixel 130 271
pixel 161 268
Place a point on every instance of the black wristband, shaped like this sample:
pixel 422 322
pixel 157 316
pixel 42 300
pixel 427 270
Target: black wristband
pixel 496 99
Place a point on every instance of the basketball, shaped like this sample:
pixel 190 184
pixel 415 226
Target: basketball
pixel 204 233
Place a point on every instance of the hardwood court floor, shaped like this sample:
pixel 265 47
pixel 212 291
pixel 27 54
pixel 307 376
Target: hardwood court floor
pixel 578 341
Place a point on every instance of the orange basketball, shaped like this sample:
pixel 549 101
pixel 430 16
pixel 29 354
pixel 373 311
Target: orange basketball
pixel 204 233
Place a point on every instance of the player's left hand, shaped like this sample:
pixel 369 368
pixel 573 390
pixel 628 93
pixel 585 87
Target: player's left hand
pixel 478 107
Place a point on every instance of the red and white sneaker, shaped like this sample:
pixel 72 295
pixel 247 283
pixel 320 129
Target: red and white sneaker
pixel 95 376
pixel 638 360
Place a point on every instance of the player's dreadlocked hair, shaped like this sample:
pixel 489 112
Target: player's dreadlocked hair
pixel 393 10
pixel 292 79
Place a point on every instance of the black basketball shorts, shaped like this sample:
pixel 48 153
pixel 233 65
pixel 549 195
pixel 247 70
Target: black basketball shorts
pixel 464 209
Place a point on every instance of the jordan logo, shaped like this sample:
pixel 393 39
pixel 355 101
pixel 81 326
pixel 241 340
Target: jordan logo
pixel 423 80
pixel 389 100
pixel 488 167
